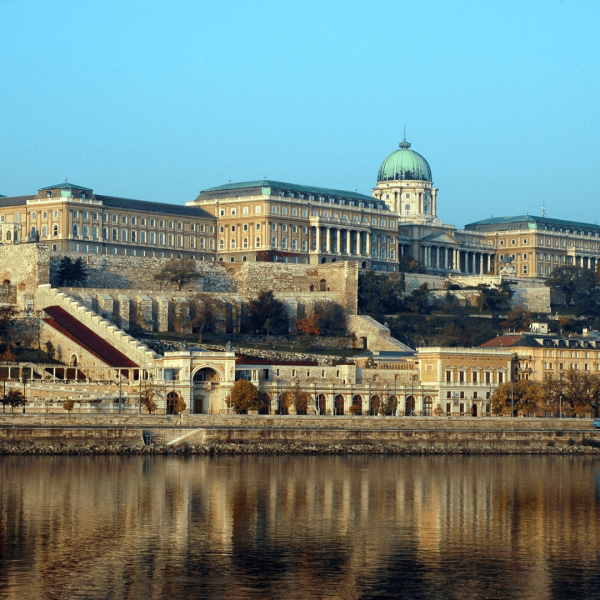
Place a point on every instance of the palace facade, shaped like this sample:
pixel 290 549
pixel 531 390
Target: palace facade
pixel 267 220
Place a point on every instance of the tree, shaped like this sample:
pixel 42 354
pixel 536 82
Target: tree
pixel 576 389
pixel 418 301
pixel 179 406
pixel 151 393
pixel 50 350
pixel 71 271
pixel 69 405
pixel 244 396
pixel 521 397
pixel 7 333
pixel 572 281
pixel 518 319
pixel 326 318
pixel 379 293
pixel 296 397
pixel 496 298
pixel 267 313
pixel 14 398
pixel 178 271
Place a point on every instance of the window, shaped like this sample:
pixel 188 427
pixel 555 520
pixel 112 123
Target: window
pixel 257 242
pixel 33 216
pixel 180 226
pixel 85 214
pixel 284 210
pixel 55 214
pixel 44 230
pixel 245 243
pixel 274 210
pixel 284 243
pixel 124 235
pixel 152 238
pixel 222 212
pixel 143 222
pixel 85 231
pixel 124 219
pixel 304 213
pixel 161 239
pixel 273 242
pixel 134 236
pixel 143 237
pixel 233 211
pixel 152 222
pixel 294 212
pixel 232 244
pixel 304 245
pixel 75 230
pixel 161 224
pixel 233 228
pixel 221 244
pixel 258 209
pixel 284 227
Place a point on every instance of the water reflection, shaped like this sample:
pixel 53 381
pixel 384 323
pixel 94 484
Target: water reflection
pixel 299 527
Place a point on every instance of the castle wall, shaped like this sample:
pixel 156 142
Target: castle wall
pixel 25 266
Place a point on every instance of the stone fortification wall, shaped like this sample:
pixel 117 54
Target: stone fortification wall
pixel 24 266
pixel 138 273
pixel 340 278
pixel 372 335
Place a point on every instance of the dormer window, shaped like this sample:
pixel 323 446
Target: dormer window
pixel 48 194
pixel 83 195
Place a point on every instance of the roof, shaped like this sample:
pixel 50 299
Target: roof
pixel 70 327
pixel 511 341
pixel 158 207
pixel 14 200
pixel 2 196
pixel 533 219
pixel 246 359
pixel 289 186
pixel 404 164
pixel 65 185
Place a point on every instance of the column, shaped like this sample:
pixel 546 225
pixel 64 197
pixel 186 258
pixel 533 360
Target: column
pixel 348 242
pixel 319 239
pixel 338 246
pixel 369 245
pixel 457 260
pixel 328 240
pixel 481 264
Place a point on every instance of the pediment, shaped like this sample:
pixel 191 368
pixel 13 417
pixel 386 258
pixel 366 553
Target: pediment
pixel 442 237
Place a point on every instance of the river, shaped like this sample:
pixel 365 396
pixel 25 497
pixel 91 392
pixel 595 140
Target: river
pixel 306 527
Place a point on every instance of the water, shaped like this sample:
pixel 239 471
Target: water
pixel 299 527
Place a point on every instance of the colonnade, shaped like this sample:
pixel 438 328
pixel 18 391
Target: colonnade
pixel 338 240
pixel 446 258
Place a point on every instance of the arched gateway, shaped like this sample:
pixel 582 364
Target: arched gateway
pixel 206 390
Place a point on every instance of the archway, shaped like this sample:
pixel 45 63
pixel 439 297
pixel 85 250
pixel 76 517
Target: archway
pixel 323 260
pixel 474 410
pixel 282 407
pixel 206 374
pixel 322 404
pixel 392 405
pixel 363 342
pixel 339 404
pixel 205 386
pixel 410 406
pixel 73 361
pixel 322 285
pixel 357 401
pixel 265 409
pixel 374 405
pixel 172 398
pixel 427 406
pixel 6 282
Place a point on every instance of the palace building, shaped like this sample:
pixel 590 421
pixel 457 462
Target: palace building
pixel 267 220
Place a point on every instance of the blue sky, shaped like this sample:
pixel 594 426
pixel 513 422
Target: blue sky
pixel 158 100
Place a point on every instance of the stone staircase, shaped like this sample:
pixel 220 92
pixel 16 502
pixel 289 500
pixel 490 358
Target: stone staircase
pixel 122 341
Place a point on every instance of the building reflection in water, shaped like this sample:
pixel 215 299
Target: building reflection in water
pixel 299 527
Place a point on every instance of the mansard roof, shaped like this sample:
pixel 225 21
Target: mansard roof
pixel 530 221
pixel 14 200
pixel 65 185
pixel 157 207
pixel 511 341
pixel 291 187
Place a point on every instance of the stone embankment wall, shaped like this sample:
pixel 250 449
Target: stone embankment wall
pixel 483 434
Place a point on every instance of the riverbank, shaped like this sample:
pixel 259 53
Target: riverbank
pixel 240 434
pixel 278 449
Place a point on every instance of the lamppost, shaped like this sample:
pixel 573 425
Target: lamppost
pixel 560 406
pixel 512 402
pixel 24 392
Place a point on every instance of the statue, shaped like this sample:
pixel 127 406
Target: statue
pixel 506 267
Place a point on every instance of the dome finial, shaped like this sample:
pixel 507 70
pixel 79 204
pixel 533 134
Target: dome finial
pixel 404 144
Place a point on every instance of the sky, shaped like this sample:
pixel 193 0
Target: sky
pixel 159 100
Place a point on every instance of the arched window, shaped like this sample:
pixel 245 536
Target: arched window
pixel 44 230
pixel 304 245
pixel 257 242
pixel 294 244
pixel 55 230
pixel 232 244
pixel 133 236
pixel 85 231
pixel 75 230
pixel 245 243
pixel 221 244
pixel 383 253
pixel 95 232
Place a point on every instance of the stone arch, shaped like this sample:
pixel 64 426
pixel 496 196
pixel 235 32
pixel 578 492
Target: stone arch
pixel 374 405
pixel 312 288
pixel 338 404
pixel 172 398
pixel 321 404
pixel 323 260
pixel 357 401
pixel 6 282
pixel 266 407
pixel 363 264
pixel 205 369
pixel 410 406
pixel 392 405
pixel 282 407
pixel 323 285
pixel 73 360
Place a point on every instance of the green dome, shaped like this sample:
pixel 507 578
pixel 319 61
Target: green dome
pixel 404 164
